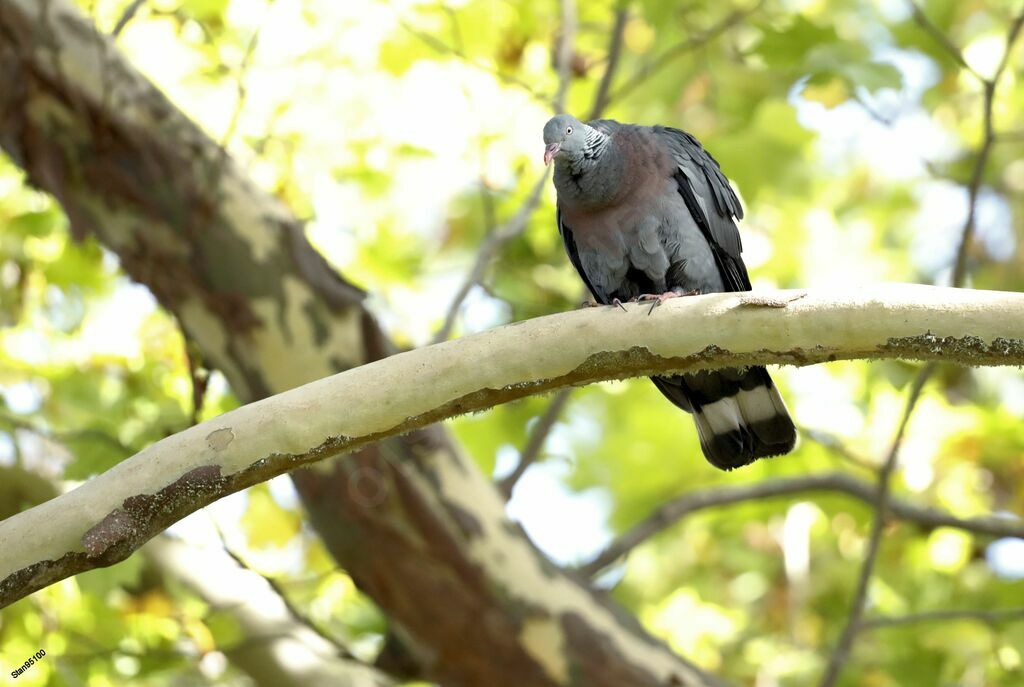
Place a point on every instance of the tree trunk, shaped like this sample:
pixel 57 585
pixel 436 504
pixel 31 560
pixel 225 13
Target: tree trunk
pixel 471 598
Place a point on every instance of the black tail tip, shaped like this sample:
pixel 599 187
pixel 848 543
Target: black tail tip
pixel 743 446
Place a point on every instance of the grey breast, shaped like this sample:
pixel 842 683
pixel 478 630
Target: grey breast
pixel 649 229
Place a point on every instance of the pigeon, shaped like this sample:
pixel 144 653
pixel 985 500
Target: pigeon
pixel 646 214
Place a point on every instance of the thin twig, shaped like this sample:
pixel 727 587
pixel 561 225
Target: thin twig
pixel 453 21
pixel 837 482
pixel 872 111
pixel 883 505
pixel 126 16
pixel 841 653
pixel 293 610
pixel 491 243
pixel 198 374
pixel 942 39
pixel 563 55
pixel 973 190
pixel 64 436
pixel 443 48
pixel 1011 39
pixel 535 442
pixel 988 139
pixel 1002 615
pixel 840 449
pixel 614 53
pixel 499 236
pixel 240 88
pixel 681 48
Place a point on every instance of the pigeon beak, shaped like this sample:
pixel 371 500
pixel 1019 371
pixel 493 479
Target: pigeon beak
pixel 549 152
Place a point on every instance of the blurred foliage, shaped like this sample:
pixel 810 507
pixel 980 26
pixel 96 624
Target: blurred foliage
pixel 405 131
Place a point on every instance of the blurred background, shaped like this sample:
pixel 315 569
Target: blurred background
pixel 863 138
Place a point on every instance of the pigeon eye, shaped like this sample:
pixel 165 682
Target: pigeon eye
pixel 568 130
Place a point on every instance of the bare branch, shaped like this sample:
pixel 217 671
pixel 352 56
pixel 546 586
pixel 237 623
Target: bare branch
pixel 535 443
pixel 942 39
pixel 614 53
pixel 981 160
pixel 563 57
pixel 1011 39
pixel 841 653
pixel 198 374
pixel 241 92
pixel 681 48
pixel 491 244
pixel 496 238
pixel 271 628
pixel 126 17
pixel 105 519
pixel 443 48
pixel 836 482
pixel 65 436
pixel 836 446
pixel 293 611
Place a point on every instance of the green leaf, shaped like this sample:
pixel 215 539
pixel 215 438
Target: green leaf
pixel 101 581
pixel 94 452
pixel 39 223
pixel 266 524
pixel 206 9
pixel 225 629
pixel 788 48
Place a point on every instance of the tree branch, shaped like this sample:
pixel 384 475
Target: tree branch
pixel 988 139
pixel 266 310
pixel 841 653
pixel 681 48
pixel 129 13
pixel 841 450
pixel 443 48
pixel 297 616
pixel 535 443
pixel 496 238
pixel 614 53
pixel 108 517
pixel 882 504
pixel 491 244
pixel 673 511
pixel 222 580
pixel 942 39
pixel 563 55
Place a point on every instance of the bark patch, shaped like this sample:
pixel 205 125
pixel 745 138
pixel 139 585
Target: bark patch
pixel 967 350
pixel 144 515
pixel 220 439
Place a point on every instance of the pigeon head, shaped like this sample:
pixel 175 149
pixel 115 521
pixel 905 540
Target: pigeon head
pixel 564 137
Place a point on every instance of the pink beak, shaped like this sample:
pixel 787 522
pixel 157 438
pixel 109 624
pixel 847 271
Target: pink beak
pixel 549 152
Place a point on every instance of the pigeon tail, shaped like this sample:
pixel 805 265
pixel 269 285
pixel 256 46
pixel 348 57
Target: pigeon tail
pixel 740 415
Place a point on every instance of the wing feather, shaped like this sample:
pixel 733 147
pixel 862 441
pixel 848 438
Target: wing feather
pixel 574 257
pixel 712 203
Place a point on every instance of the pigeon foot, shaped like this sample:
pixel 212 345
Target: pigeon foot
pixel 659 298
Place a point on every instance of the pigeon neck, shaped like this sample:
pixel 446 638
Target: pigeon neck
pixel 591 177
